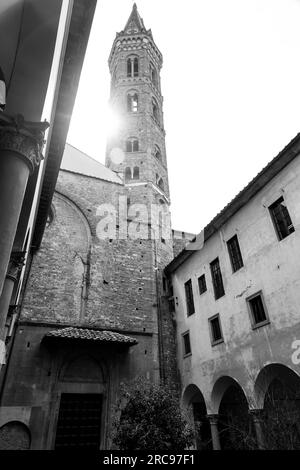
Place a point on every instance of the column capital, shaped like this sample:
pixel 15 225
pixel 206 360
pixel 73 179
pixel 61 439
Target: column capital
pixel 213 418
pixel 23 137
pixel 15 265
pixel 256 414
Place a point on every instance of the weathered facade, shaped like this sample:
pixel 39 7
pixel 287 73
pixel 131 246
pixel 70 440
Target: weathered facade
pixel 30 32
pixel 95 310
pixel 236 300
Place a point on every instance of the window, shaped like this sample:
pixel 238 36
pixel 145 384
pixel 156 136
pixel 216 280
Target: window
pixel 127 174
pixel 215 330
pixel 235 253
pixel 281 218
pixel 157 152
pixel 202 284
pixel 160 184
pixel 136 67
pixel 132 102
pixel 132 67
pixel 217 278
pixel 153 74
pixel 189 297
pixel 136 173
pixel 155 109
pixel 257 310
pixel 132 145
pixel 186 343
pixel 129 68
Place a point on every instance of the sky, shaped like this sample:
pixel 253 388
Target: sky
pixel 231 87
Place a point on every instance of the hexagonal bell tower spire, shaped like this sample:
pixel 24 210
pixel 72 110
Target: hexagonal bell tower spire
pixel 135 23
pixel 137 147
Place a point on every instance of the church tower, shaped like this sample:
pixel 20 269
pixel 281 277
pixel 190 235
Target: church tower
pixel 137 151
pixel 135 63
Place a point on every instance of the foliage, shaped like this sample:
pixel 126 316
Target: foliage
pixel 150 418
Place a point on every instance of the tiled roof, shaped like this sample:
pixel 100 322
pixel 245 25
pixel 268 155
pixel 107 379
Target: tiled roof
pixel 76 161
pixel 91 335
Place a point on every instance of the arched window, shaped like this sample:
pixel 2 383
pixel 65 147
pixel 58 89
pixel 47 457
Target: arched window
pixel 132 102
pixel 132 145
pixel 132 67
pixel 136 173
pixel 157 152
pixel 153 74
pixel 127 174
pixel 128 67
pixel 155 109
pixel 160 184
pixel 136 67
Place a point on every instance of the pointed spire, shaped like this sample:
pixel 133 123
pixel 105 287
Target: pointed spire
pixel 135 23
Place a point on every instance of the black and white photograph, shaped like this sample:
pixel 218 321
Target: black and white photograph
pixel 149 229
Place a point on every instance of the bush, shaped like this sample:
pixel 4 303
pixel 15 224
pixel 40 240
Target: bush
pixel 150 419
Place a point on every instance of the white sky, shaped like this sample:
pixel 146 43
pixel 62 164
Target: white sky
pixel 231 87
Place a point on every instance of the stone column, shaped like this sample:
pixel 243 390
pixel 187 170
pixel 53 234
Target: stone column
pixel 21 146
pixel 213 421
pixel 15 265
pixel 257 421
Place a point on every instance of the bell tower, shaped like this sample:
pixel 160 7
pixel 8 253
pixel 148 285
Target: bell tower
pixel 137 151
pixel 138 147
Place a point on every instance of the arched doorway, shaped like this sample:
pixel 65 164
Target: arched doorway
pixel 193 401
pixel 280 388
pixel 234 424
pixel 80 413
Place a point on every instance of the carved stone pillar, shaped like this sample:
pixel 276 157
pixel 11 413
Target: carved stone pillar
pixel 213 421
pixel 15 265
pixel 257 421
pixel 21 146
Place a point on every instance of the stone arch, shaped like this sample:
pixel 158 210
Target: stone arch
pixel 277 389
pixel 82 368
pixel 15 435
pixel 231 404
pixel 266 375
pixel 62 262
pixel 194 403
pixel 220 387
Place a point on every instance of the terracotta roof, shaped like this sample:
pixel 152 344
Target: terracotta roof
pixel 91 335
pixel 291 151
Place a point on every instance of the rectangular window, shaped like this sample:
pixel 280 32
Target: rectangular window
pixel 189 297
pixel 235 253
pixel 257 310
pixel 186 343
pixel 202 284
pixel 281 218
pixel 215 330
pixel 217 278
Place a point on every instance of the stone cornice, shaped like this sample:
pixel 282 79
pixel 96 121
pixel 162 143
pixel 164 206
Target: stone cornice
pixel 128 43
pixel 23 137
